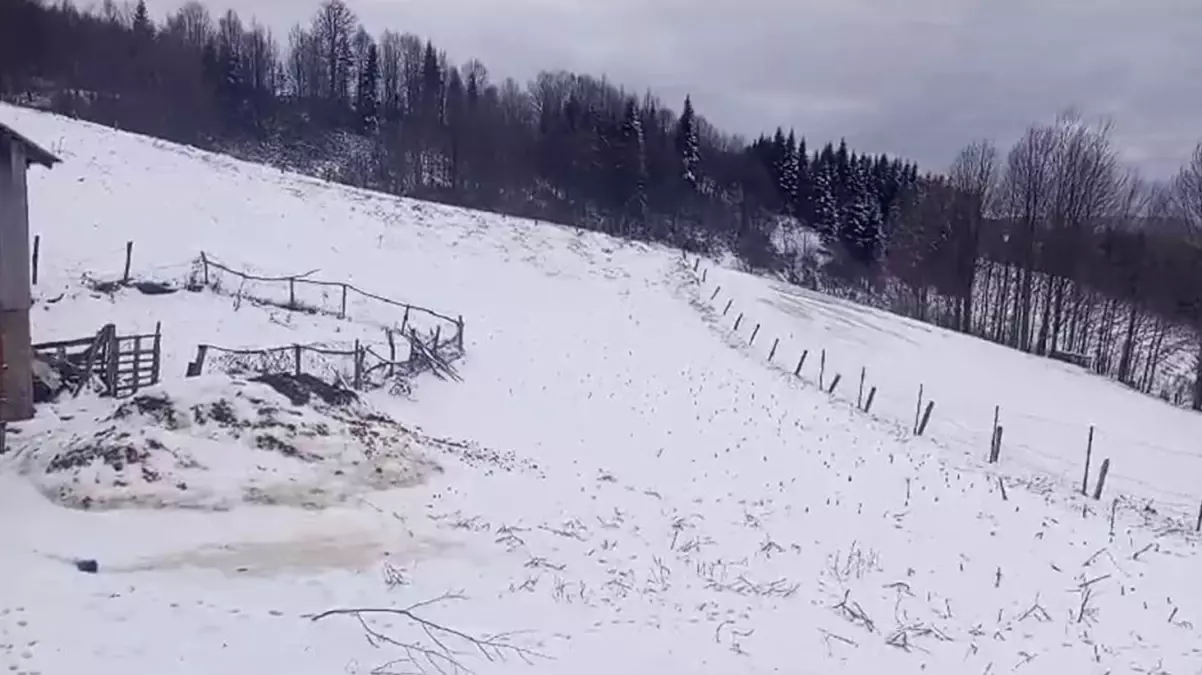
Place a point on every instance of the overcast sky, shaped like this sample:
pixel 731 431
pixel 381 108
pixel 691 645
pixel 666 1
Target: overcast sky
pixel 913 77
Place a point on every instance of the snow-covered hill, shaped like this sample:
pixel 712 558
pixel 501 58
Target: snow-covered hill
pixel 619 483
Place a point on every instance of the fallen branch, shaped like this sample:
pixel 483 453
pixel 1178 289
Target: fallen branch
pixel 438 652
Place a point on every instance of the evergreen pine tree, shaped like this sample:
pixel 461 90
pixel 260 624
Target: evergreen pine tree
pixel 788 175
pixel 633 168
pixel 688 145
pixel 141 22
pixel 827 218
pixel 803 203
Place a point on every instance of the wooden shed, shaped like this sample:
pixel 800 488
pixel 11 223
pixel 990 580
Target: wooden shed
pixel 17 154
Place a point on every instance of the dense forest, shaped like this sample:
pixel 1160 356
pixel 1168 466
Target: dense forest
pixel 1051 246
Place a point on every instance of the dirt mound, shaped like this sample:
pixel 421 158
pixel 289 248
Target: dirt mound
pixel 300 389
pixel 216 442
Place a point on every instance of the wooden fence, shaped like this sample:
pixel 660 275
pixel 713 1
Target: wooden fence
pixel 338 299
pixel 357 366
pixel 123 364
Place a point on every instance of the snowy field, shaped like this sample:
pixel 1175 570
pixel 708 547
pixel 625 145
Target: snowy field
pixel 620 484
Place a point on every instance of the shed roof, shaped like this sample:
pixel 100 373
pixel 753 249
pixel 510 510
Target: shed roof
pixel 34 153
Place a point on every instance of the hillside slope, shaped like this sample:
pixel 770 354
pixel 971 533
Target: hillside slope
pixel 623 485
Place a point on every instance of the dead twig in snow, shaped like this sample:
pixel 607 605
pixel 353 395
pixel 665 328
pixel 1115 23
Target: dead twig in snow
pixel 853 612
pixel 1035 610
pixel 1145 550
pixel 438 650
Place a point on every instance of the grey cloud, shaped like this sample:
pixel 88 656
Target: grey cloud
pixel 914 77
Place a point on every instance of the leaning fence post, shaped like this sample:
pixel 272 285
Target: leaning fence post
pixel 1088 457
pixel 703 274
pixel 405 321
pixel 727 307
pixel 868 403
pixel 296 354
pixel 738 321
pixel 754 333
pixel 775 344
pixel 801 362
pixel 926 417
pixel 1097 493
pixel 860 395
pixel 834 383
pixel 918 409
pixel 129 255
pixel 1198 527
pixel 716 292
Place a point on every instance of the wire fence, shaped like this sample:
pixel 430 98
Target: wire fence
pixel 1017 436
pixel 342 300
pixel 417 339
pixel 349 365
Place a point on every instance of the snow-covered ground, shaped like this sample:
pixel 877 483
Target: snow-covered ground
pixel 622 484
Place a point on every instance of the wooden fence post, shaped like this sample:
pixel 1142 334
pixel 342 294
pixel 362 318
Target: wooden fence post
pixel 754 333
pixel 434 346
pixel 868 403
pixel 738 321
pixel 696 263
pixel 775 344
pixel 834 383
pixel 133 367
pixel 918 409
pixel 1198 527
pixel 822 369
pixel 727 308
pixel 860 395
pixel 342 314
pixel 1088 457
pixel 926 417
pixel 459 335
pixel 114 355
pixel 703 274
pixel 129 256
pixel 358 366
pixel 196 367
pixel 405 321
pixel 204 265
pixel 391 351
pixel 716 292
pixel 37 247
pixel 801 362
pixel 997 411
pixel 1097 493
pixel 995 451
pixel 296 354
pixel 291 293
pixel 157 369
